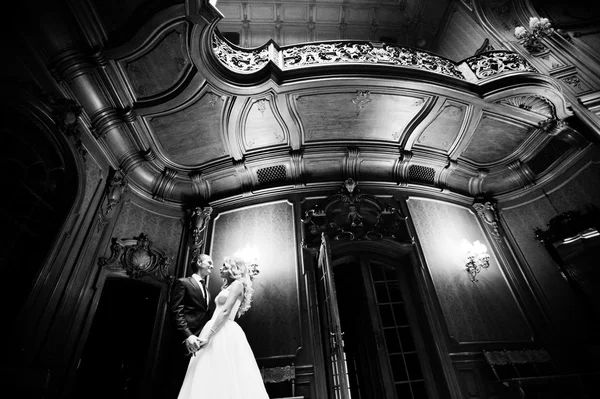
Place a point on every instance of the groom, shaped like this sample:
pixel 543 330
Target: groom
pixel 190 311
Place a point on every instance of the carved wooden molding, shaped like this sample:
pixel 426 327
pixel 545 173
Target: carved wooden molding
pixel 199 220
pixel 353 215
pixel 488 213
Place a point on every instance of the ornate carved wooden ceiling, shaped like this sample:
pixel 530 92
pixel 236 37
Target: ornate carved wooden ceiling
pixel 208 120
pixel 407 22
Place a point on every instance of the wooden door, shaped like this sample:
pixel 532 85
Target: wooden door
pixel 334 343
pixel 401 351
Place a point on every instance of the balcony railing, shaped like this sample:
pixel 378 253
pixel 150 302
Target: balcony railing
pixel 473 69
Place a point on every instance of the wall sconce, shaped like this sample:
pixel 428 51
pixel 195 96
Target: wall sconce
pixel 540 28
pixel 477 258
pixel 250 255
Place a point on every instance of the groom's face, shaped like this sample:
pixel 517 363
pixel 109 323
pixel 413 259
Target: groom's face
pixel 205 265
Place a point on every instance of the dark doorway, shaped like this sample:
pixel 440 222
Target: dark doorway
pixel 364 373
pixel 114 363
pixel 384 340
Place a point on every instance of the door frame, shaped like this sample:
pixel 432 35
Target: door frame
pixel 392 252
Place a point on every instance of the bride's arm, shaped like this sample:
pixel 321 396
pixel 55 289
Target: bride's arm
pixel 235 291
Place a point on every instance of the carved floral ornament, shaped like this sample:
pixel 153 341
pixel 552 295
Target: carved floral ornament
pixel 488 213
pixel 116 188
pixel 137 258
pixel 352 215
pixel 199 220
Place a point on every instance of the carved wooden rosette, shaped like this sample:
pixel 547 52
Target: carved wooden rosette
pixel 199 220
pixel 137 258
pixel 352 215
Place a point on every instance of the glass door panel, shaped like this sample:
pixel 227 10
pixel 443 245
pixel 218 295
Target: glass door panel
pixel 402 354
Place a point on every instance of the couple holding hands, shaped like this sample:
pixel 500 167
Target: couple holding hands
pixel 220 362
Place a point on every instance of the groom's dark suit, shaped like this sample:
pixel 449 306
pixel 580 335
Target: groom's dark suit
pixel 189 307
pixel 190 310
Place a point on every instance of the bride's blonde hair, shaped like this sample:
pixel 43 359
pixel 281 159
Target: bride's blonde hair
pixel 239 271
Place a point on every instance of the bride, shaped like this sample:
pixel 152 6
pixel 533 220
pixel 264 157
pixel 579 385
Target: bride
pixel 224 367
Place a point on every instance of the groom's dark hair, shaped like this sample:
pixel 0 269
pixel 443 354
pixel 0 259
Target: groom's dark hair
pixel 194 262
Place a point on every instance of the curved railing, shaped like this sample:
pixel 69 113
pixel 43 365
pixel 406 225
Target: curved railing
pixel 473 69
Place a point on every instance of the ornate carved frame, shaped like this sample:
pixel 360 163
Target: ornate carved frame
pixel 137 258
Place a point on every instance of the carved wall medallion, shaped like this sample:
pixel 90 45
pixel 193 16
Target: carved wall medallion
pixel 137 258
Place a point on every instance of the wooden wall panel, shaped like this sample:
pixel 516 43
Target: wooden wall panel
pixel 581 190
pixel 272 325
pixel 163 231
pixel 482 312
pixel 461 36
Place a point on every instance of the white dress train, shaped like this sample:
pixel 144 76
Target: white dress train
pixel 225 368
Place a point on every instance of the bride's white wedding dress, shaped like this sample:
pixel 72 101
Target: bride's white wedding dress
pixel 225 368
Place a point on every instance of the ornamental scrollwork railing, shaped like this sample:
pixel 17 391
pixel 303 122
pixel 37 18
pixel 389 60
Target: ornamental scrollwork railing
pixel 366 53
pixel 294 57
pixel 239 60
pixel 498 62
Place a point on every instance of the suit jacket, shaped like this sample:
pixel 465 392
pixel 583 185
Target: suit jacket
pixel 189 307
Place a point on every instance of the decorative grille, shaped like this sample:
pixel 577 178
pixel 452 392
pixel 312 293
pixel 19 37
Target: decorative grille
pixel 547 156
pixel 421 174
pixel 271 174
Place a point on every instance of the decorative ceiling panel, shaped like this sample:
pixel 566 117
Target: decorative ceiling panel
pixel 442 131
pixel 231 11
pixel 294 13
pixel 258 37
pixel 192 136
pixel 262 128
pixel 358 115
pixel 294 35
pixel 122 19
pixel 327 34
pixel 162 67
pixel 261 12
pixel 406 22
pixel 328 14
pixel 360 16
pixel 390 15
pixel 495 139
